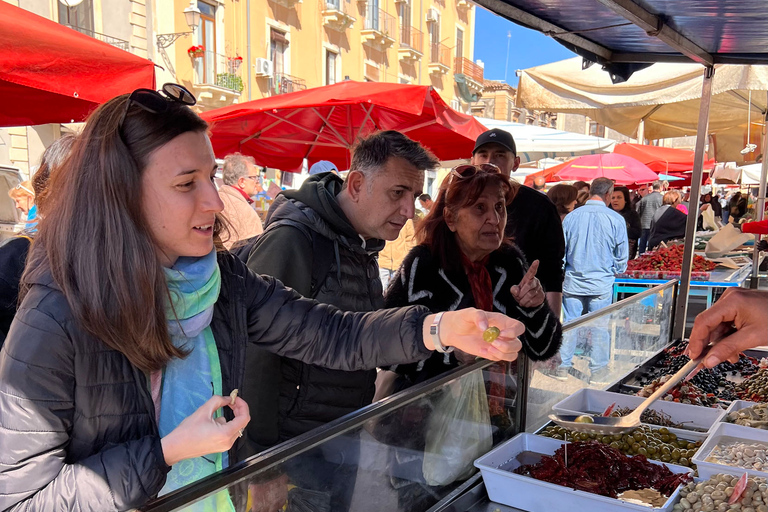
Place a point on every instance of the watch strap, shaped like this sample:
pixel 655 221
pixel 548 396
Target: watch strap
pixel 434 331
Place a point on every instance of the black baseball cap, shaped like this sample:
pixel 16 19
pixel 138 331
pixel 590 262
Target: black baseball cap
pixel 499 136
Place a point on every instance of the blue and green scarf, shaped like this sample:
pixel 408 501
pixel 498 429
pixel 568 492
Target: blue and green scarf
pixel 194 285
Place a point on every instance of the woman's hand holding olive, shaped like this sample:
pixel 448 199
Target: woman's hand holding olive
pixel 201 434
pixel 463 330
pixel 529 293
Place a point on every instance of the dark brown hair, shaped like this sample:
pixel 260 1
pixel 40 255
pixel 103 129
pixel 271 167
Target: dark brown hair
pixel 454 195
pixel 561 195
pixel 625 192
pixel 95 241
pixel 370 155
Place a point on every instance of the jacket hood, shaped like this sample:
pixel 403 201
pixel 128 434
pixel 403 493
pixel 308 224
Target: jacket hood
pixel 315 205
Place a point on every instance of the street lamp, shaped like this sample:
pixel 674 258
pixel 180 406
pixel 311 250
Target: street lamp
pixel 191 16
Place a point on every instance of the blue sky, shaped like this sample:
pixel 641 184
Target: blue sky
pixel 527 47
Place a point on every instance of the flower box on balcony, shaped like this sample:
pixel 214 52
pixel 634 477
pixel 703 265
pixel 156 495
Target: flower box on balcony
pixel 196 52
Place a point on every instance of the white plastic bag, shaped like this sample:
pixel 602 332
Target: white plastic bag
pixel 726 240
pixel 458 432
pixel 708 220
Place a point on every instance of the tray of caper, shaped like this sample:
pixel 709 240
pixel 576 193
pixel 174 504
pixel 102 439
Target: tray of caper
pixel 657 444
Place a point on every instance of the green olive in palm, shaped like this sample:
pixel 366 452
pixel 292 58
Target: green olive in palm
pixel 490 334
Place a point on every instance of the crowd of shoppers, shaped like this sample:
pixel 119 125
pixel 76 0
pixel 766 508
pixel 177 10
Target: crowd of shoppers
pixel 136 322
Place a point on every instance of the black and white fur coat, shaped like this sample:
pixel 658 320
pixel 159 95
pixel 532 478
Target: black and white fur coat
pixel 420 280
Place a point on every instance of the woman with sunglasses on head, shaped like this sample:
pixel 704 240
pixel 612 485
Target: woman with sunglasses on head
pixel 24 197
pixel 463 261
pixel 116 373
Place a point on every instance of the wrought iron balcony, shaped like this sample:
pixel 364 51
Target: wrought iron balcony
pixel 282 83
pixel 439 59
pixel 380 27
pixel 215 69
pixel 118 43
pixel 469 69
pixel 411 43
pixel 337 15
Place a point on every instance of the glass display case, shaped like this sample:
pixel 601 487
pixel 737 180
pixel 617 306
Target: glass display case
pixel 414 451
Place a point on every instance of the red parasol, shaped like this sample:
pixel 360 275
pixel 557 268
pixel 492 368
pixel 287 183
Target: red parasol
pixel 663 160
pixel 53 74
pixel 624 170
pixel 323 123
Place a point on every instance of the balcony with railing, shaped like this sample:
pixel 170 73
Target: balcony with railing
pixel 217 79
pixel 439 59
pixel 282 83
pixel 411 44
pixel 380 27
pixel 118 43
pixel 337 14
pixel 466 71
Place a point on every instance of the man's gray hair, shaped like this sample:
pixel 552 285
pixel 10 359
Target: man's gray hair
pixel 656 185
pixel 370 154
pixel 235 167
pixel 601 187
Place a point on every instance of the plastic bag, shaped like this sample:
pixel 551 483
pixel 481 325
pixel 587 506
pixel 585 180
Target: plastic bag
pixel 708 220
pixel 724 241
pixel 458 432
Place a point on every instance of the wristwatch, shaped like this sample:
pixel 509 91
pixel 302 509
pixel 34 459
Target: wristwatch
pixel 434 331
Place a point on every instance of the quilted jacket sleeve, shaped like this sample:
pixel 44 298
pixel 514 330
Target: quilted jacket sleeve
pixel 283 322
pixel 37 400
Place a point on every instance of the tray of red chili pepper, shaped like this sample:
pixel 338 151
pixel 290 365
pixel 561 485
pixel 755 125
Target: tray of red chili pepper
pixel 667 263
pixel 539 474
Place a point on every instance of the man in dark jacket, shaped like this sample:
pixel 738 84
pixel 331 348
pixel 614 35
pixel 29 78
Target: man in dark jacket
pixel 323 241
pixel 532 219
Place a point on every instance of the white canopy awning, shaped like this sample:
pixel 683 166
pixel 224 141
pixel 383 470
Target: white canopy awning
pixel 536 142
pixel 665 96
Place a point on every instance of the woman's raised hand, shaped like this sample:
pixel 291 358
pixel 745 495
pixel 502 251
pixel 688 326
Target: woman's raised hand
pixel 463 330
pixel 529 293
pixel 200 434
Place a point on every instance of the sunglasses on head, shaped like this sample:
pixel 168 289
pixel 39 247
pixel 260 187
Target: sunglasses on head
pixel 156 102
pixel 22 187
pixel 462 172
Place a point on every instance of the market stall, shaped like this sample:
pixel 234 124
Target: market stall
pixel 394 429
pixel 401 468
pixel 439 476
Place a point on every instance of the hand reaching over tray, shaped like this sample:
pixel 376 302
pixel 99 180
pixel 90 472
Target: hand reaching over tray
pixel 736 322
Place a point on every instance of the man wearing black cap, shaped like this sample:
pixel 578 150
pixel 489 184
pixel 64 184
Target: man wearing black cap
pixel 532 219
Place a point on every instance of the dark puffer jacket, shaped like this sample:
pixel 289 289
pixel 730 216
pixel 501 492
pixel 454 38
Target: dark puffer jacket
pixel 293 397
pixel 77 429
pixel 422 281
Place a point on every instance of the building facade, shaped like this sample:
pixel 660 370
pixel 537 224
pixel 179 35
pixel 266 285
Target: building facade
pixel 292 45
pixel 244 50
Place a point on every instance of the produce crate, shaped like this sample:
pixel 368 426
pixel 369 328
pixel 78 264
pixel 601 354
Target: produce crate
pixel 738 405
pixel 533 495
pixel 695 276
pixel 728 433
pixel 592 401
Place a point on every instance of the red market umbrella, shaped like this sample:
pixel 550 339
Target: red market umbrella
pixel 624 170
pixel 659 159
pixel 323 123
pixel 53 74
